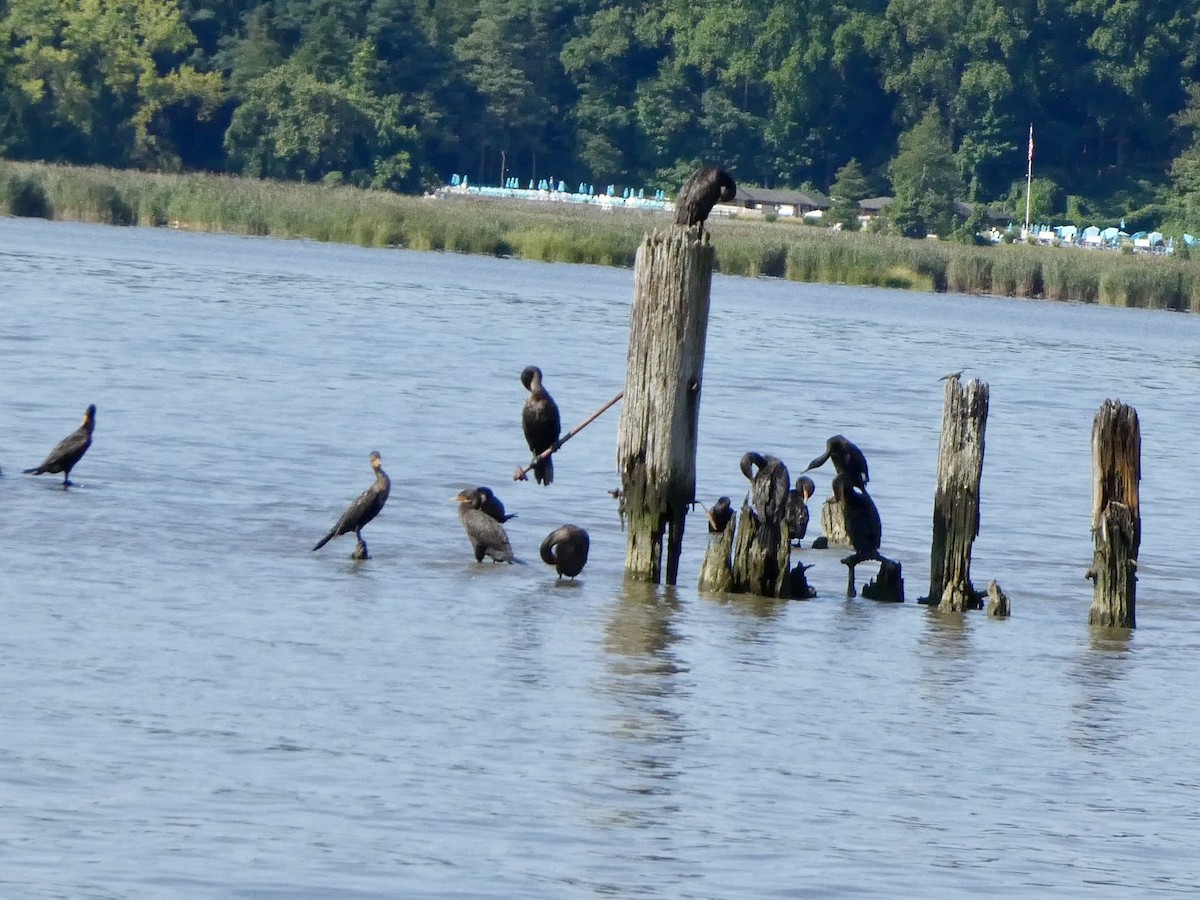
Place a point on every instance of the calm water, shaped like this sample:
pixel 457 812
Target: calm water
pixel 194 704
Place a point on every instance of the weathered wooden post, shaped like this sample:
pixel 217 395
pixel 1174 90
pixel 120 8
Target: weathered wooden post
pixel 833 523
pixel 716 571
pixel 956 502
pixel 656 442
pixel 760 556
pixel 1116 515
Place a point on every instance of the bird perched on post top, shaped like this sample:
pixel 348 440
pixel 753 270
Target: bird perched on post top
pixel 769 483
pixel 706 187
pixel 540 420
pixel 847 459
pixel 362 509
pixel 69 450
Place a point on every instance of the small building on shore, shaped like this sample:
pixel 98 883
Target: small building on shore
pixel 798 204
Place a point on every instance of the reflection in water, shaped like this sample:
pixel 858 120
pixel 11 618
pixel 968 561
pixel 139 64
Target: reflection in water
pixel 643 732
pixel 1098 710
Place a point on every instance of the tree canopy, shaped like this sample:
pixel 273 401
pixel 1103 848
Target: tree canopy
pixel 401 93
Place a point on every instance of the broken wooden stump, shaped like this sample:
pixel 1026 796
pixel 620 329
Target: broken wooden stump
pixel 1116 514
pixel 760 556
pixel 716 571
pixel 656 441
pixel 998 606
pixel 888 585
pixel 956 501
pixel 833 524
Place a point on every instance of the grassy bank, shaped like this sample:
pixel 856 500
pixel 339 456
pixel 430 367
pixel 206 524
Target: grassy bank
pixel 568 233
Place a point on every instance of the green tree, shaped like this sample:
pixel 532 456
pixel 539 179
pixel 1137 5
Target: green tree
pixel 925 180
pixel 850 186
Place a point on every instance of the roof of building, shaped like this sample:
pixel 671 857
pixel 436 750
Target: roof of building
pixel 776 197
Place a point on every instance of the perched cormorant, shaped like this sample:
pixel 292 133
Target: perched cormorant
pixel 847 460
pixel 719 515
pixel 768 485
pixel 706 187
pixel 539 418
pixel 363 509
pixel 797 508
pixel 487 536
pixel 863 527
pixel 69 450
pixel 491 505
pixel 566 549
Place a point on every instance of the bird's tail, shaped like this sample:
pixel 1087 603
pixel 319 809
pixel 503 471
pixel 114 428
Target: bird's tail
pixel 543 471
pixel 325 540
pixel 36 470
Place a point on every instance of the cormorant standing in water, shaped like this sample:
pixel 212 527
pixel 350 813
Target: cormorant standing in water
pixel 69 450
pixel 540 420
pixel 566 549
pixel 366 506
pixel 706 187
pixel 491 505
pixel 768 485
pixel 487 536
pixel 847 460
pixel 719 515
pixel 797 508
pixel 862 524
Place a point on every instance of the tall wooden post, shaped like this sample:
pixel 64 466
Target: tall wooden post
pixel 1116 515
pixel 656 442
pixel 956 502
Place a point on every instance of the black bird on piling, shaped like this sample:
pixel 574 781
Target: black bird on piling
pixel 69 450
pixel 769 483
pixel 487 536
pixel 862 525
pixel 363 509
pixel 540 420
pixel 719 515
pixel 847 460
pixel 566 549
pixel 491 505
pixel 706 187
pixel 797 508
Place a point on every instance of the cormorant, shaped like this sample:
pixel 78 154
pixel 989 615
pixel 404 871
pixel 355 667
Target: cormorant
pixel 797 508
pixel 540 420
pixel 768 485
pixel 706 187
pixel 491 505
pixel 566 549
pixel 863 527
pixel 363 509
pixel 719 515
pixel 847 460
pixel 487 536
pixel 69 450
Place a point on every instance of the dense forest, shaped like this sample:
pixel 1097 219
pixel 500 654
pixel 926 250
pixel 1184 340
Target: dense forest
pixel 891 95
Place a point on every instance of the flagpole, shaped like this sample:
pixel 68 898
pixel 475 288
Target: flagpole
pixel 1029 181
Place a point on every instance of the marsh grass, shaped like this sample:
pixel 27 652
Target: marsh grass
pixel 554 232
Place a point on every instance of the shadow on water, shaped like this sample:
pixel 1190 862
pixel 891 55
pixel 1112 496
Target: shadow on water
pixel 643 732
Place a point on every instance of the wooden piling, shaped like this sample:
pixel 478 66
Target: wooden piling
pixel 656 442
pixel 833 523
pixel 760 556
pixel 956 502
pixel 1116 514
pixel 716 571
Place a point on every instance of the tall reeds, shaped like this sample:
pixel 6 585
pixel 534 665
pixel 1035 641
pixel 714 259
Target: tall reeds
pixel 565 232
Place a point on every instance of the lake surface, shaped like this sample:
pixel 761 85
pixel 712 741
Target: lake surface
pixel 195 704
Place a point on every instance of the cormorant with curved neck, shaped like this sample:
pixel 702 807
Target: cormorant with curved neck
pixel 363 509
pixel 847 460
pixel 769 483
pixel 540 421
pixel 491 505
pixel 566 549
pixel 69 450
pixel 797 508
pixel 704 189
pixel 487 536
pixel 719 515
pixel 863 527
